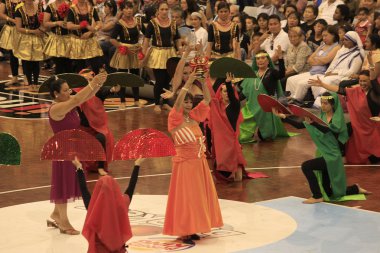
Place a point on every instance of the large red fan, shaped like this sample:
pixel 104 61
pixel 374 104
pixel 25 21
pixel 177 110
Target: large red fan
pixel 68 144
pixel 300 112
pixel 267 103
pixel 145 142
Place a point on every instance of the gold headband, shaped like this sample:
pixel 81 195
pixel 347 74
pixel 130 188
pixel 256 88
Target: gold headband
pixel 261 55
pixel 327 97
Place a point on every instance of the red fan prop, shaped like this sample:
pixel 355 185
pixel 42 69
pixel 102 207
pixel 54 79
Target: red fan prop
pixel 68 144
pixel 267 103
pixel 145 142
pixel 300 112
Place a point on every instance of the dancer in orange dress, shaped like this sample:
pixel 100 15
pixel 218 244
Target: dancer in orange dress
pixel 193 205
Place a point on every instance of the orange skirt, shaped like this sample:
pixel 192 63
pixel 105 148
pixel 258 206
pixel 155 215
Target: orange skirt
pixel 193 205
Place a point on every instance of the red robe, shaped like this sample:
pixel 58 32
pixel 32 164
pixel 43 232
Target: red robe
pixel 107 227
pixel 228 152
pixel 98 121
pixel 365 138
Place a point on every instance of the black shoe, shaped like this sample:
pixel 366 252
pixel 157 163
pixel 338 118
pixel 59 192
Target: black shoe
pixel 195 237
pixel 188 241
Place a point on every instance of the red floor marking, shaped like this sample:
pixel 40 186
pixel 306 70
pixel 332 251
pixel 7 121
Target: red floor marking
pixel 31 107
pixel 5 110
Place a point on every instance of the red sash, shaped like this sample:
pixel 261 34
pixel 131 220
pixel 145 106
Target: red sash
pixel 365 138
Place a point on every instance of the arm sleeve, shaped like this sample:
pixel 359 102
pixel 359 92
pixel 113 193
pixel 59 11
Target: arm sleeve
pixel 355 68
pixel 176 36
pixel 86 196
pixel 210 33
pixel 116 31
pixel 95 15
pixel 294 121
pixel 103 93
pixel 341 91
pixel 70 16
pixel 132 182
pixel 375 87
pixel 149 31
pixel 18 14
pixel 231 94
pixel 48 10
pixel 323 129
pixel 301 59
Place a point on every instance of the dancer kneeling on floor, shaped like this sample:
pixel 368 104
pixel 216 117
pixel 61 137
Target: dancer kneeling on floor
pixel 107 227
pixel 330 144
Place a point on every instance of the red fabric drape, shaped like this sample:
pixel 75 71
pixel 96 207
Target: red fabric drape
pixel 365 138
pixel 107 227
pixel 225 140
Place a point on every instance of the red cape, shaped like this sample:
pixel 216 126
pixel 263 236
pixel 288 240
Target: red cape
pixel 98 120
pixel 107 227
pixel 365 138
pixel 228 152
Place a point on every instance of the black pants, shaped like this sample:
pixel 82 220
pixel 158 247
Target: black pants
pixel 102 139
pixel 95 64
pixel 135 90
pixel 320 164
pixel 62 65
pixel 31 70
pixel 162 81
pixel 14 63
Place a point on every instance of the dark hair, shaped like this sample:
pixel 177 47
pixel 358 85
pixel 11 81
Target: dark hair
pixel 321 21
pixel 346 28
pixel 54 84
pixel 344 11
pixel 333 31
pixel 364 9
pixel 253 19
pixel 192 6
pixel 126 4
pixel 290 6
pixel 375 40
pixel 364 73
pixel 161 3
pixel 331 101
pixel 274 16
pixel 297 16
pixel 263 16
pixel 223 5
pixel 314 8
pixel 243 25
pixel 111 4
pixel 189 96
pixel 258 34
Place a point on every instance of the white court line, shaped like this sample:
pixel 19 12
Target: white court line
pixel 18 105
pixel 24 96
pixel 10 101
pixel 167 174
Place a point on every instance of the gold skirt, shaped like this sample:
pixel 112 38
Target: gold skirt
pixel 6 37
pixel 128 61
pixel 57 45
pixel 29 47
pixel 217 55
pixel 158 57
pixel 81 49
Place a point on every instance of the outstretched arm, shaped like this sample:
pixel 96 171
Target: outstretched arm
pixel 134 177
pixel 86 196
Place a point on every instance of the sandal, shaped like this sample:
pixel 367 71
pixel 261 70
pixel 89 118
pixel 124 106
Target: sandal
pixel 363 191
pixel 51 223
pixel 69 231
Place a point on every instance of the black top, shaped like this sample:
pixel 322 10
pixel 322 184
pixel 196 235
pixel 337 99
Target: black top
pixel 225 39
pixel 127 35
pixel 30 22
pixel 272 77
pixel 165 33
pixel 313 43
pixel 76 18
pixel 9 10
pixel 244 42
pixel 55 17
pixel 373 97
pixel 86 196
pixel 306 28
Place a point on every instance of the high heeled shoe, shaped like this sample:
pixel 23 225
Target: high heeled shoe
pixel 69 231
pixel 51 223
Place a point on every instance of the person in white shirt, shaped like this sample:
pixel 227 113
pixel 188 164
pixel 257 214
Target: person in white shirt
pixel 274 37
pixel 200 34
pixel 267 8
pixel 327 9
